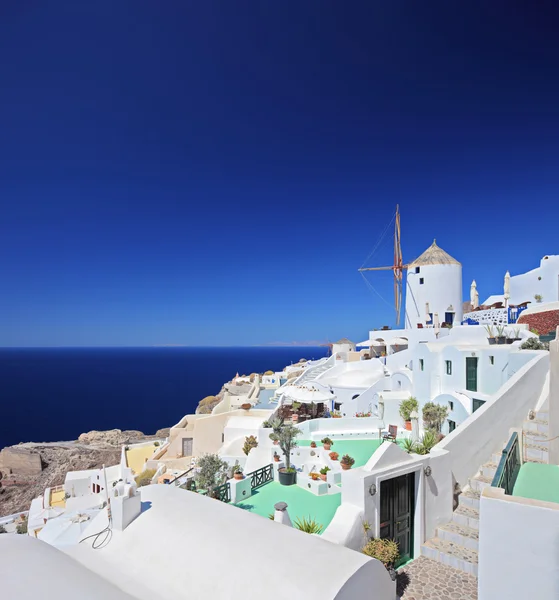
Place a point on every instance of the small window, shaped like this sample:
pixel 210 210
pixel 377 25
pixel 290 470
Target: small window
pixel 421 364
pixel 417 269
pixel 451 426
pixel 491 360
pixel 421 280
pixel 451 405
pixel 448 367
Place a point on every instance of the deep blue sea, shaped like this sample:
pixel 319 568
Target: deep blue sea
pixel 57 393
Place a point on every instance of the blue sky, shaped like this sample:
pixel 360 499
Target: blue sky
pixel 216 172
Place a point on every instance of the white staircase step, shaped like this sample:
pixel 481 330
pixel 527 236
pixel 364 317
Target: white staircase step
pixel 536 426
pixel 489 470
pixel 451 554
pixel 466 516
pixel 469 498
pixel 459 534
pixel 537 440
pixel 542 415
pixel 480 482
pixel 532 454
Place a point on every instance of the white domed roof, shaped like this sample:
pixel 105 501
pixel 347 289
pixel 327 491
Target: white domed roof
pixel 434 256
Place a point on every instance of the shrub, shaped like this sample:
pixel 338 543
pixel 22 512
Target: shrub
pixel 384 550
pixel 538 297
pixel 212 471
pixel 324 470
pixel 348 460
pixel 308 525
pixel 3 529
pixel 327 440
pixel 22 527
pixel 407 407
pixel 145 477
pixel 276 424
pixel 250 443
pixel 434 415
pixel 534 344
pixel 156 444
pixel 269 373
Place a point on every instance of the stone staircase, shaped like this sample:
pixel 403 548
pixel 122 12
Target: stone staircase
pixel 456 542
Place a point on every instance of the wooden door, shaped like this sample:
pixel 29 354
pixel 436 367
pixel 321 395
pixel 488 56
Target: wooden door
pixel 397 505
pixel 471 374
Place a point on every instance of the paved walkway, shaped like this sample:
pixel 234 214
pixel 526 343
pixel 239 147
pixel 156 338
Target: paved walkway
pixel 425 579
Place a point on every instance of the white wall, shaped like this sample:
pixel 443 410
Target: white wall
pixel 517 548
pixel 487 430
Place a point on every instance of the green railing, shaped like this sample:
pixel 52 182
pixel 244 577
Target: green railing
pixel 223 492
pixel 261 476
pixel 509 466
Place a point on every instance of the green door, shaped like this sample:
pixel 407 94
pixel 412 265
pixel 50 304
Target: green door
pixel 397 505
pixel 471 374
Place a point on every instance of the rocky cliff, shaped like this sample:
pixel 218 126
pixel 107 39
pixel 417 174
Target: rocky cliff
pixel 27 469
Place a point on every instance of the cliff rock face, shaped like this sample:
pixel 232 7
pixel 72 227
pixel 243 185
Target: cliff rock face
pixel 112 437
pixel 20 461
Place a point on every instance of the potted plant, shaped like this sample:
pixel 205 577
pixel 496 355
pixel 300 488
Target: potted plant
pixel 384 550
pixel 501 338
pixel 324 472
pixel 490 335
pixel 333 455
pixel 276 457
pixel 238 472
pixel 336 414
pixel 314 476
pixel 246 406
pixel 347 462
pixel 408 445
pixel 287 438
pixel 327 443
pixel 538 298
pixel 313 444
pixel 250 443
pixel 406 409
pixel 516 334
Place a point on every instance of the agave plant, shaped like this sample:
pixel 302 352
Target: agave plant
pixel 409 445
pixel 308 525
pixel 427 442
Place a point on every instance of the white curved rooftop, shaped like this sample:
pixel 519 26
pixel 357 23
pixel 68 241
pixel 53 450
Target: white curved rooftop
pixel 169 553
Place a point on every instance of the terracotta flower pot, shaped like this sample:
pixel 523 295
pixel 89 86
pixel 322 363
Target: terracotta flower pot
pixel 323 476
pixel 408 425
pixel 327 446
pixel 345 466
pixel 314 477
pixel 313 444
pixel 238 476
pixel 276 442
pixel 276 458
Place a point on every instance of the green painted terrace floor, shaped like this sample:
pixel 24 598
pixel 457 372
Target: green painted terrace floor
pixel 538 482
pixel 300 503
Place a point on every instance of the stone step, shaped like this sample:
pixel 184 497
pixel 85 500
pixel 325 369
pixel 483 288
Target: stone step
pixel 489 470
pixel 451 554
pixel 469 498
pixel 496 457
pixel 459 534
pixel 466 516
pixel 542 415
pixel 480 482
pixel 537 460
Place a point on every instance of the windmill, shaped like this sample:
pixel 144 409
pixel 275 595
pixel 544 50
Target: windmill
pixel 328 345
pixel 397 268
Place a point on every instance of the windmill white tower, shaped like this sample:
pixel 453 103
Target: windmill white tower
pixel 433 285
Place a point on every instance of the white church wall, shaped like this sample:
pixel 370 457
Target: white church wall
pixel 517 547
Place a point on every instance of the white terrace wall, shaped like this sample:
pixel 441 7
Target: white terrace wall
pixel 487 430
pixel 517 547
pixel 553 404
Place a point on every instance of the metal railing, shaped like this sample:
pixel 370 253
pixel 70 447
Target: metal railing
pixel 223 492
pixel 509 466
pixel 176 481
pixel 261 476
